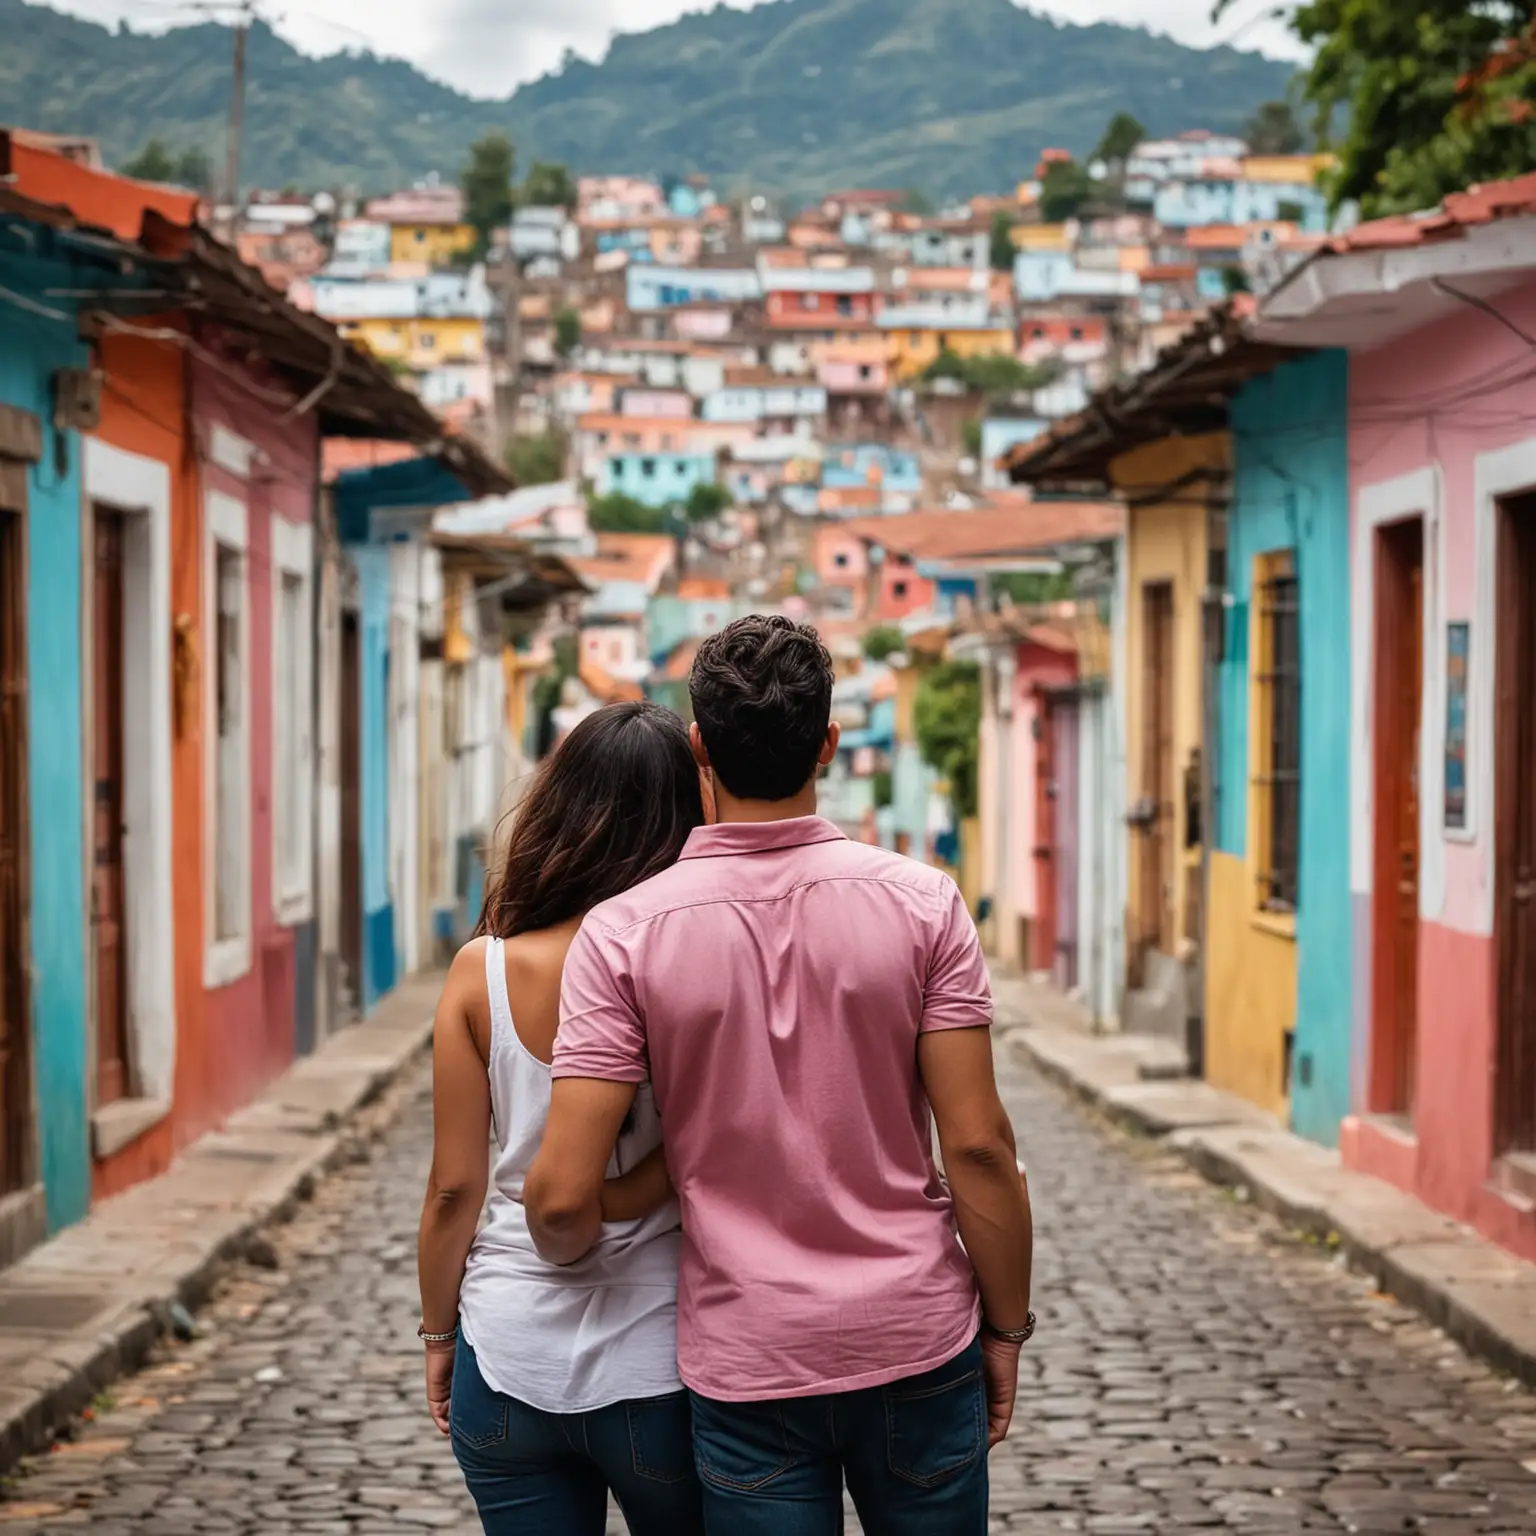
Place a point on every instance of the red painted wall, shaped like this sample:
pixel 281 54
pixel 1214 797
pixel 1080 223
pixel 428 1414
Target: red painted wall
pixel 253 1016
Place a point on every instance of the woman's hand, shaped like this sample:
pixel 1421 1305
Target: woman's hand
pixel 639 1193
pixel 439 1382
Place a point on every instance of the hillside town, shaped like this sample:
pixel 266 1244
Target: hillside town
pixel 1171 528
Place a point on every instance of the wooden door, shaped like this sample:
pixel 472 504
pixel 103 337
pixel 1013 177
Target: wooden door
pixel 15 1006
pixel 1515 829
pixel 1065 763
pixel 350 764
pixel 1043 956
pixel 108 914
pixel 1398 691
pixel 1155 885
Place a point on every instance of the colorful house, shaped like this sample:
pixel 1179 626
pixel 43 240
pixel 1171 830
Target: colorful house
pixel 1442 780
pixel 426 225
pixel 169 631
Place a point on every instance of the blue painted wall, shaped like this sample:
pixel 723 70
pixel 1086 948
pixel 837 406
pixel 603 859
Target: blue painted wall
pixel 1291 491
pixel 655 479
pixel 372 565
pixel 31 348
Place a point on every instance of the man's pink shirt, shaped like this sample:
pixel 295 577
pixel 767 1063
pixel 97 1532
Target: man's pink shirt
pixel 771 985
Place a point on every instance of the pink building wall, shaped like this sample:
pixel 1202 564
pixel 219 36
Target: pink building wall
pixel 253 1015
pixel 659 404
pixel 702 324
pixel 1435 432
pixel 1035 666
pixel 840 377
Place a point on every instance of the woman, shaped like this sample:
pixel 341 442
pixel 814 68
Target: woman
pixel 557 1385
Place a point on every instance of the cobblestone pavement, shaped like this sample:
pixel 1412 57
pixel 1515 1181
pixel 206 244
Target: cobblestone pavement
pixel 1196 1368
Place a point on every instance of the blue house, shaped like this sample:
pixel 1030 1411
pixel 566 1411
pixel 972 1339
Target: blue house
pixel 1281 964
pixel 42 822
pixel 1200 201
pixel 655 479
pixel 378 511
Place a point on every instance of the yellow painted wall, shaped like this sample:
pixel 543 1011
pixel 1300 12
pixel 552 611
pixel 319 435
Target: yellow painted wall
pixel 421 344
pixel 1250 990
pixel 435 244
pixel 970 862
pixel 1288 170
pixel 912 351
pixel 1040 237
pixel 1165 541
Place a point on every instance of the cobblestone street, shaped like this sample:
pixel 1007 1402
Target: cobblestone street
pixel 1196 1368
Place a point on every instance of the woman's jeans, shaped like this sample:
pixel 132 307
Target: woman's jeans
pixel 549 1474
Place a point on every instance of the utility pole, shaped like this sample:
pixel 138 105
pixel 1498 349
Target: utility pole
pixel 236 113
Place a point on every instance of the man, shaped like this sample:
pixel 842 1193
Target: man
pixel 799 1001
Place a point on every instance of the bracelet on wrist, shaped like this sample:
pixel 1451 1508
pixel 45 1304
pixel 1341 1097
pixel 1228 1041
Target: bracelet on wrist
pixel 451 1337
pixel 1013 1335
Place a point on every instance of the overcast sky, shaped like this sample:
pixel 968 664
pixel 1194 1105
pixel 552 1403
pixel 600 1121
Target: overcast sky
pixel 488 46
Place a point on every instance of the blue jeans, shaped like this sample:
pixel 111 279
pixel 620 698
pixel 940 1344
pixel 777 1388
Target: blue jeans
pixel 914 1454
pixel 533 1473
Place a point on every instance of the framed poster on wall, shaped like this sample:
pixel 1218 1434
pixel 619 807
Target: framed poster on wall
pixel 1457 641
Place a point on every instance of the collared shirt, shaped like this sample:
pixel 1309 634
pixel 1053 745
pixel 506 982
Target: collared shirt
pixel 772 985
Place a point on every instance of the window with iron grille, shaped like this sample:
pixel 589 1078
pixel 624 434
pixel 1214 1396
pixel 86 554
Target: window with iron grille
pixel 1278 735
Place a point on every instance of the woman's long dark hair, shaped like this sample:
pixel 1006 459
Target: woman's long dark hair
pixel 612 806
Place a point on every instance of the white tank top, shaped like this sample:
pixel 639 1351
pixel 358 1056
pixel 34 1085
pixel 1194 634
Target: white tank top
pixel 565 1339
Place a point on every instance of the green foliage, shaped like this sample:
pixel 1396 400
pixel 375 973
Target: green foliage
pixel 618 513
pixel 1003 250
pixel 1234 280
pixel 970 435
pixel 946 715
pixel 486 181
pixel 1435 95
pixel 1120 137
pixel 536 460
pixel 1032 588
pixel 915 200
pixel 1293 212
pixel 706 500
pixel 994 373
pixel 884 789
pixel 1066 187
pixel 152 163
pixel 1273 130
pixel 567 331
pixel 949 95
pixel 547 185
pixel 883 641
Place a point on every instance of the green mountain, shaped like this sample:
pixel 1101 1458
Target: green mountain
pixel 797 95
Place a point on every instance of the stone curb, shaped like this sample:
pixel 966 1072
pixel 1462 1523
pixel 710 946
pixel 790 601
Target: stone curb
pixel 164 1243
pixel 1479 1294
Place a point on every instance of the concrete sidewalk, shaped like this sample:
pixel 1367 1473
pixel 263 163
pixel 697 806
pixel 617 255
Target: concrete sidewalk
pixel 84 1308
pixel 1481 1295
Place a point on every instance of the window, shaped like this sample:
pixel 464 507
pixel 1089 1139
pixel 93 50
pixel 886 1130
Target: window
pixel 840 560
pixel 1277 730
pixel 899 589
pixel 813 301
pixel 904 560
pixel 863 370
pixel 1077 333
pixel 292 716
pixel 427 341
pixel 228 762
pixel 1038 333
pixel 421 237
pixel 845 306
pixel 648 467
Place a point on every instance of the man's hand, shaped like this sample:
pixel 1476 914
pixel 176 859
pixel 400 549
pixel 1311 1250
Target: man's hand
pixel 439 1382
pixel 1000 1366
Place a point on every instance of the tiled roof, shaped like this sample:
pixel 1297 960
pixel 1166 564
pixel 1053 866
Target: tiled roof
pixel 344 453
pixel 627 557
pixel 703 587
pixel 992 531
pixel 607 688
pixel 1479 204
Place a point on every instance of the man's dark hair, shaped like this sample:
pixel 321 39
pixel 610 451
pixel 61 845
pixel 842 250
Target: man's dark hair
pixel 762 697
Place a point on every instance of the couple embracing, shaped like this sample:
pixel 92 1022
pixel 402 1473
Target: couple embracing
pixel 711 1037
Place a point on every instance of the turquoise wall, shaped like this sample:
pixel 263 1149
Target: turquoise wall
pixel 1291 491
pixel 31 348
pixel 372 565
